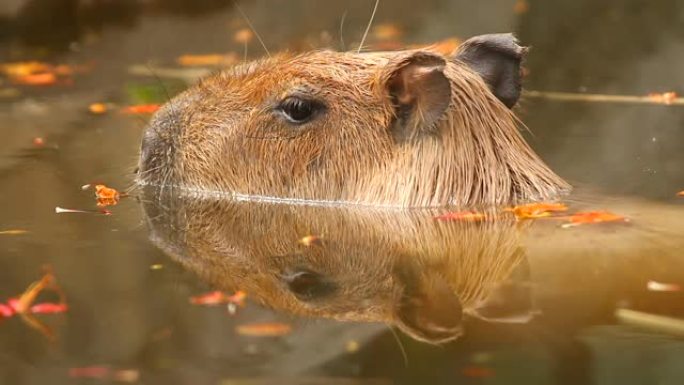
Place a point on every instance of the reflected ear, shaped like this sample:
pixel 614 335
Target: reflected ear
pixel 419 90
pixel 429 310
pixel 496 58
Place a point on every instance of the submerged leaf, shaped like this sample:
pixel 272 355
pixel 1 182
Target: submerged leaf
pixel 264 329
pixel 468 216
pixel 660 286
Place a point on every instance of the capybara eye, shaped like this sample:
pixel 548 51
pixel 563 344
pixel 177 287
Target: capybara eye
pixel 307 285
pixel 298 110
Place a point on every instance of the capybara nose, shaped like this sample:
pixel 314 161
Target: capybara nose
pixel 159 143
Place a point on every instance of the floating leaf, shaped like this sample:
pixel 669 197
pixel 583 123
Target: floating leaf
pixel 537 210
pixel 38 141
pixel 477 372
pixel 680 194
pixel 243 36
pixel 387 31
pixel 467 216
pixel 6 311
pixel 49 308
pixel 264 329
pixel 106 196
pixel 663 98
pixel 661 286
pixel 520 7
pixel 141 109
pixel 13 232
pixel 218 298
pixel 41 79
pixel 19 69
pixel 207 60
pixel 97 108
pixel 592 217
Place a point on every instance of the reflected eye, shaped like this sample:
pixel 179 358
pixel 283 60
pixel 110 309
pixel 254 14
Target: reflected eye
pixel 307 285
pixel 299 110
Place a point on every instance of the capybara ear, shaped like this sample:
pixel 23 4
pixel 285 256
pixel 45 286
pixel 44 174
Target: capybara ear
pixel 429 311
pixel 420 91
pixel 496 58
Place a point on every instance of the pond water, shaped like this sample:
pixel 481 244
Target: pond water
pixel 535 303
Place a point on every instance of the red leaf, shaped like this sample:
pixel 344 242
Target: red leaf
pixel 49 308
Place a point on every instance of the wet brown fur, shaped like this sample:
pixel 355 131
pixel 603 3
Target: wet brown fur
pixel 221 136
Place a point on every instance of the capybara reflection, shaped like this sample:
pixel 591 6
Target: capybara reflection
pixel 412 128
pixel 402 268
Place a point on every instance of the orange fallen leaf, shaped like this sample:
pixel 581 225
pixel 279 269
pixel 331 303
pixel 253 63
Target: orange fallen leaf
pixel 664 98
pixel 310 240
pixel 218 298
pixel 102 191
pixel 141 109
pixel 387 31
pixel 97 108
pixel 680 194
pixel 13 232
pixel 39 79
pixel 468 216
pixel 592 217
pixel 38 141
pixel 537 210
pixel 243 36
pixel 477 372
pixel 661 286
pixel 25 306
pixel 264 329
pixel 207 60
pixel 20 69
pixel 521 7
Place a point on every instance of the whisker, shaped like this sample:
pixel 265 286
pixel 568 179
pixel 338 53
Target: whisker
pixel 401 346
pixel 344 16
pixel 370 22
pixel 249 23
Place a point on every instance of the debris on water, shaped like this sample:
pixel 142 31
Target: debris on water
pixel 214 298
pixel 97 108
pixel 537 210
pixel 243 36
pixel 521 7
pixel 157 266
pixel 13 232
pixel 651 322
pixel 106 196
pixel 38 141
pixel 24 305
pixel 475 371
pixel 141 109
pixel 680 194
pixel 105 373
pixel 264 329
pixel 664 98
pixel 467 216
pixel 208 60
pixel 592 217
pixel 61 210
pixel 352 346
pixel 661 286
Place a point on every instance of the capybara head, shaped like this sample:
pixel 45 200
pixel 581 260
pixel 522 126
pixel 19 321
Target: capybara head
pixel 400 267
pixel 411 128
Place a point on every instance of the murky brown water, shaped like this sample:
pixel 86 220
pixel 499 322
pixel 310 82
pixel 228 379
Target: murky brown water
pixel 125 314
